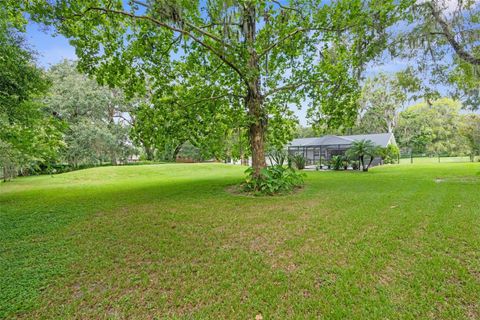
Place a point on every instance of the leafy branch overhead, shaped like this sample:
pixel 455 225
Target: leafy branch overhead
pixel 264 54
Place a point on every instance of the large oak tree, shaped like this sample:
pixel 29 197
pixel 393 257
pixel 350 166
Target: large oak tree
pixel 265 54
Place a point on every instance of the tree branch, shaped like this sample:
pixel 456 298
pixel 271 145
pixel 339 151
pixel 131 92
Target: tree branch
pixel 298 30
pixel 220 55
pixel 289 8
pixel 120 116
pixel 273 45
pixel 141 3
pixel 287 87
pixel 208 34
pixel 191 25
pixel 213 23
pixel 211 99
pixel 449 35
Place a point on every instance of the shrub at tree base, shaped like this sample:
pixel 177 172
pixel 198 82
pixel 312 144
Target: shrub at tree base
pixel 273 180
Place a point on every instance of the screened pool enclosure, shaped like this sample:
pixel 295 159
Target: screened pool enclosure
pixel 322 149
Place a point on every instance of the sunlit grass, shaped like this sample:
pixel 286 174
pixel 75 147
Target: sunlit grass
pixel 168 241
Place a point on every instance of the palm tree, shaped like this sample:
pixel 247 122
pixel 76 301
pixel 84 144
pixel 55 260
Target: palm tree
pixel 362 149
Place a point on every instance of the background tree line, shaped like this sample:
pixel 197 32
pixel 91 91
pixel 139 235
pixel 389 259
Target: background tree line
pixel 60 119
pixel 433 127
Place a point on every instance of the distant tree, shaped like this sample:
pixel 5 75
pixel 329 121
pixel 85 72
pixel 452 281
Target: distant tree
pixel 28 135
pixel 382 98
pixel 96 117
pixel 190 152
pixel 158 132
pixel 304 132
pixel 470 129
pixel 164 121
pixel 389 154
pixel 320 129
pixel 432 129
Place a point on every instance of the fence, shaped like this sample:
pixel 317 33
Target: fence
pixel 423 158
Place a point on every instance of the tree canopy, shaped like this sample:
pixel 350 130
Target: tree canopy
pixel 261 55
pixel 442 42
pixel 382 98
pixel 94 116
pixel 432 128
pixel 27 132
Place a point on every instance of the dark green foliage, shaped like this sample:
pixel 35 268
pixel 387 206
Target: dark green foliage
pixel 389 154
pixel 28 135
pixel 470 130
pixel 336 162
pixel 190 153
pixel 355 165
pixel 273 180
pixel 432 128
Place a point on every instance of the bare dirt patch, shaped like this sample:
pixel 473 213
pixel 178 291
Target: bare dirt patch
pixel 237 190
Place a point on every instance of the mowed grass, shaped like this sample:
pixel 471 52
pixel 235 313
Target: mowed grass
pixel 168 241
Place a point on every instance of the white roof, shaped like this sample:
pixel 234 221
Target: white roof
pixel 380 139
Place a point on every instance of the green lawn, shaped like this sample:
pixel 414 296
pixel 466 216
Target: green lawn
pixel 167 241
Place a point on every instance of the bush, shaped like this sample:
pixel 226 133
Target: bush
pixel 389 154
pixel 273 180
pixel 355 165
pixel 336 162
pixel 299 161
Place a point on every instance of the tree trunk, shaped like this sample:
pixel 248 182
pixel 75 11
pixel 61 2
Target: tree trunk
pixel 254 99
pixel 368 166
pixel 148 152
pixel 113 159
pixel 176 151
pixel 256 133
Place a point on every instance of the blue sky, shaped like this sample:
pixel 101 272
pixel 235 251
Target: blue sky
pixel 51 49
